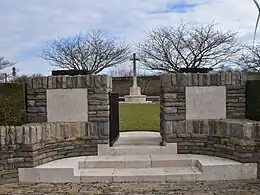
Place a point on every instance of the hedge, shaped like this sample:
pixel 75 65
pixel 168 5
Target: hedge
pixel 12 104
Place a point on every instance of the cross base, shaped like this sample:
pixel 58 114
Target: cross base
pixel 136 99
pixel 135 96
pixel 135 90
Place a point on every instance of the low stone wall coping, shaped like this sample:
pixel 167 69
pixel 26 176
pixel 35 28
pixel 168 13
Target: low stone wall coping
pixel 33 133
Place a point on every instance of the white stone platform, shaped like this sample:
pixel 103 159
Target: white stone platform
pixel 146 168
pixel 145 161
pixel 139 138
pixel 138 143
pixel 104 149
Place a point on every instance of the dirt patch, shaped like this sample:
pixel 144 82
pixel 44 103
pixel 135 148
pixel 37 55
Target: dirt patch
pixel 248 187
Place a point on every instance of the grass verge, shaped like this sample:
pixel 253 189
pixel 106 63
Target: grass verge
pixel 134 117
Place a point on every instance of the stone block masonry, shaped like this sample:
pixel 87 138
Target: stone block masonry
pixel 38 143
pixel 97 108
pixel 234 139
pixel 231 137
pixel 173 97
pixel 98 87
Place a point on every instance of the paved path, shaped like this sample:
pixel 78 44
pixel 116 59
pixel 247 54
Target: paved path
pixel 139 138
pixel 249 187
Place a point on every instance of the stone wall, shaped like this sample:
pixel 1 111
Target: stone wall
pixel 232 137
pixel 98 87
pixel 173 93
pixel 34 144
pixel 39 141
pixel 150 85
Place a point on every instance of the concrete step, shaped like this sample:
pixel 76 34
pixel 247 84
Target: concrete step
pixel 139 138
pixel 179 168
pixel 139 174
pixel 104 149
pixel 106 175
pixel 137 161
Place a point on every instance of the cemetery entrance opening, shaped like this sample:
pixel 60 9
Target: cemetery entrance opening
pixel 113 118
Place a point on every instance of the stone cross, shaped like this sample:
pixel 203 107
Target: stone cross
pixel 134 59
pixel 257 21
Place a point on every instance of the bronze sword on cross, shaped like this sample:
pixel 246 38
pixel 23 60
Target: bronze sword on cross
pixel 134 59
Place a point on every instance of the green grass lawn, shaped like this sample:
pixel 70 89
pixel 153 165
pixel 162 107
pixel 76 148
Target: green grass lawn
pixel 139 117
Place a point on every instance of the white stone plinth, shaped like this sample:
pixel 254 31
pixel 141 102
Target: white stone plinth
pixel 135 97
pixel 135 91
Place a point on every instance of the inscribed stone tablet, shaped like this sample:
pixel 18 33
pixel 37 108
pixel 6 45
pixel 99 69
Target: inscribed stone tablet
pixel 67 105
pixel 205 102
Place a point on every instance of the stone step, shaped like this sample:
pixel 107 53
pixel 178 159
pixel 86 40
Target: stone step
pixel 136 161
pixel 104 149
pixel 139 138
pixel 101 175
pixel 168 174
pixel 202 168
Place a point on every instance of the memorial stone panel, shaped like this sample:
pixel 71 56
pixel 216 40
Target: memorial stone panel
pixel 205 102
pixel 67 105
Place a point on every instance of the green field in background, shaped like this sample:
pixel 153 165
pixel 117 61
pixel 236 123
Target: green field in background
pixel 139 117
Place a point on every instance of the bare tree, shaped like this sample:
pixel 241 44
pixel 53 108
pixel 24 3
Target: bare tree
pixel 92 52
pixel 125 71
pixel 120 72
pixel 249 59
pixel 4 63
pixel 168 49
pixel 22 78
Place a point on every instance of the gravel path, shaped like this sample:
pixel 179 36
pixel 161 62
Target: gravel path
pixel 247 187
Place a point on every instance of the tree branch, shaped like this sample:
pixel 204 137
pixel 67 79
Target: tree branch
pixel 169 49
pixel 92 52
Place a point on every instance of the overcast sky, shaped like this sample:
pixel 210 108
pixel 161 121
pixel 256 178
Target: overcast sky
pixel 25 25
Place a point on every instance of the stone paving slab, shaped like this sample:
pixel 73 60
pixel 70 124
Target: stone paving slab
pixel 97 175
pixel 104 149
pixel 204 168
pixel 139 138
pixel 56 175
pixel 102 162
pixel 136 161
pixel 156 160
pixel 138 174
pixel 240 187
